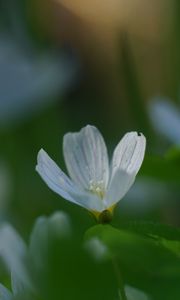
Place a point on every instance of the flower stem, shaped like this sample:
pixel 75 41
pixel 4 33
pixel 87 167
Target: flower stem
pixel 122 294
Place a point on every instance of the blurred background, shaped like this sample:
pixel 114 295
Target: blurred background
pixel 64 64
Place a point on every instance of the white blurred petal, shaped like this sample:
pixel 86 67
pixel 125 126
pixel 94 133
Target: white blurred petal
pixel 118 187
pixel 165 118
pixel 129 153
pixel 86 156
pixel 17 284
pixel 38 246
pixel 45 229
pixel 97 249
pixel 5 294
pixel 57 180
pixel 135 294
pixel 11 246
pixel 30 82
pixel 14 252
pixel 59 223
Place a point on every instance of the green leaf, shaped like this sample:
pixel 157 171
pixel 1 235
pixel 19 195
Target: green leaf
pixel 165 235
pixel 161 168
pixel 151 229
pixel 173 154
pixel 139 254
pixel 164 167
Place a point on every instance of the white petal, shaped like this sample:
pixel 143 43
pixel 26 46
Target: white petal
pixel 89 201
pixel 62 185
pixel 45 230
pixel 53 175
pixel 14 252
pixel 39 240
pixel 126 162
pixel 12 248
pixel 164 113
pixel 97 249
pixel 5 294
pixel 86 156
pixel 118 187
pixel 18 285
pixel 59 224
pixel 135 294
pixel 129 153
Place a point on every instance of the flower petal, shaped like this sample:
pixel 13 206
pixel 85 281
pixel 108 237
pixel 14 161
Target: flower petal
pixel 135 294
pixel 61 184
pixel 129 153
pixel 89 201
pixel 118 187
pixel 46 230
pixel 5 294
pixel 14 252
pixel 53 175
pixel 126 162
pixel 18 285
pixel 86 157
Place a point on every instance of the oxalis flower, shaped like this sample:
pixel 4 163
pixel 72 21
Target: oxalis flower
pixel 92 182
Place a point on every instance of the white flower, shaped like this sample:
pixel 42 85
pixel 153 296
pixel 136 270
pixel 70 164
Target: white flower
pixel 93 183
pixel 18 257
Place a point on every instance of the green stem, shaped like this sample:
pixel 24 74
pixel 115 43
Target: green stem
pixel 122 293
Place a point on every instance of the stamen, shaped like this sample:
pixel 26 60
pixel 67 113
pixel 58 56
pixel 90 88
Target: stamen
pixel 97 188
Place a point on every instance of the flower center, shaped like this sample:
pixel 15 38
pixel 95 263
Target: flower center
pixel 97 187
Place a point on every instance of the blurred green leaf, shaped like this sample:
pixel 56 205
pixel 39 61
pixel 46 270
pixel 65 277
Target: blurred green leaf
pixel 173 155
pixel 148 256
pixel 150 263
pixel 167 236
pixel 152 229
pixel 162 168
